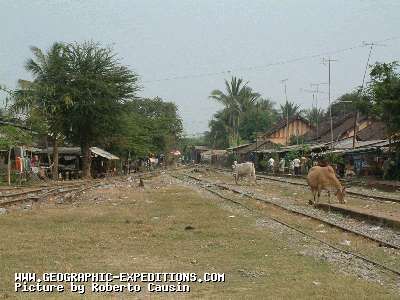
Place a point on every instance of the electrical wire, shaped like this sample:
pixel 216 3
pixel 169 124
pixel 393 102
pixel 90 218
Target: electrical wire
pixel 263 67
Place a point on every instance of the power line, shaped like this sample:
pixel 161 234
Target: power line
pixel 262 67
pixel 360 91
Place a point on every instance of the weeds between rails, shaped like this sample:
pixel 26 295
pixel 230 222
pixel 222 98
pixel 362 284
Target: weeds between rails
pixel 364 258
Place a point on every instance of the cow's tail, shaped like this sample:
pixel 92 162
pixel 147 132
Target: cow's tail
pixel 254 173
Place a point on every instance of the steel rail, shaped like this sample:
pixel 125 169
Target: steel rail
pixel 364 258
pixel 379 241
pixel 60 188
pixel 360 195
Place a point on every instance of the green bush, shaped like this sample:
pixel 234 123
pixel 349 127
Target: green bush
pixel 292 155
pixel 263 164
pixel 334 158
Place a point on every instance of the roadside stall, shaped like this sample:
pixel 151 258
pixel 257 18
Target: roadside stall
pixel 104 163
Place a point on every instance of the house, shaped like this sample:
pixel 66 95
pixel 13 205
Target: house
pixel 376 130
pixel 283 131
pixel 343 128
pixel 195 153
pixel 215 157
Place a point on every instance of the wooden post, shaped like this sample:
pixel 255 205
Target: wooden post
pixel 9 166
pixel 47 150
pixel 355 129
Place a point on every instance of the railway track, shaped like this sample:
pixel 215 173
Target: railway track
pixel 23 195
pixel 299 212
pixel 384 213
pixel 214 187
pixel 360 195
pixel 283 180
pixel 35 195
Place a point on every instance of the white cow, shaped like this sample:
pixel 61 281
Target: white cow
pixel 243 170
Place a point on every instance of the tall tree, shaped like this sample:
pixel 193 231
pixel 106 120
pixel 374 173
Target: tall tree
pixel 47 93
pixel 258 118
pixel 384 90
pixel 220 132
pixel 348 103
pixel 148 125
pixel 99 84
pixel 237 99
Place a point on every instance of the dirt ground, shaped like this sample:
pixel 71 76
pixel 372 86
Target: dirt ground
pixel 167 226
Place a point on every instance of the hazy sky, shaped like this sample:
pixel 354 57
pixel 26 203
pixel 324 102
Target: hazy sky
pixel 166 39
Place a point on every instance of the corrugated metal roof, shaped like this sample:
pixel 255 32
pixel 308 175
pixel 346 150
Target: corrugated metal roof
pixel 348 144
pixel 61 150
pixel 238 147
pixel 202 148
pixel 293 147
pixel 214 152
pixel 103 153
pixel 77 151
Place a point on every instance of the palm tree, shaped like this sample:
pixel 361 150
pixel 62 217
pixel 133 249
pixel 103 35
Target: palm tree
pixel 237 99
pixel 289 109
pixel 266 105
pixel 46 93
pixel 314 116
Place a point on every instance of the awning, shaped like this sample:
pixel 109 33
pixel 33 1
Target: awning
pixel 103 153
pixel 61 150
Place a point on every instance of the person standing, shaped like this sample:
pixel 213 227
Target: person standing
pixel 296 165
pixel 35 165
pixel 282 165
pixel 303 165
pixel 386 166
pixel 271 164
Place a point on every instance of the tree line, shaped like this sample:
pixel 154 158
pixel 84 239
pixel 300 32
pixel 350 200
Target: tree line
pixel 83 95
pixel 245 112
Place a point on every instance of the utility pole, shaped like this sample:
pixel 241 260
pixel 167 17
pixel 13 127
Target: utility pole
pixel 317 91
pixel 257 105
pixel 312 105
pixel 329 60
pixel 129 163
pixel 287 111
pixel 315 95
pixel 360 91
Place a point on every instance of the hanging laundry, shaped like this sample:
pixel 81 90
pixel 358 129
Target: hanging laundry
pixel 19 164
pixel 27 165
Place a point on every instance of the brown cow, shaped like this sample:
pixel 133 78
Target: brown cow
pixel 324 178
